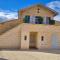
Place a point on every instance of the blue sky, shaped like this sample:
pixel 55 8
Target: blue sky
pixel 9 8
pixel 18 4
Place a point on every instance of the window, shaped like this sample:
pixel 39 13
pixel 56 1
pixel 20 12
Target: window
pixel 51 22
pixel 26 19
pixel 42 38
pixel 33 19
pixel 25 38
pixel 38 20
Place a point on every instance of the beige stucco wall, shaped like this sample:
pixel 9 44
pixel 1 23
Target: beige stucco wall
pixel 14 38
pixel 43 30
pixel 11 38
pixel 24 43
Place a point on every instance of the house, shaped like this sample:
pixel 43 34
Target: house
pixel 34 28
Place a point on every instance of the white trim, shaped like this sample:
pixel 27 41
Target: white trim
pixel 32 19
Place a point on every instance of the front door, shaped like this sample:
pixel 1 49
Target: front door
pixel 33 40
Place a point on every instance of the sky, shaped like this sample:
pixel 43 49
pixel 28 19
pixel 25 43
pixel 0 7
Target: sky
pixel 9 8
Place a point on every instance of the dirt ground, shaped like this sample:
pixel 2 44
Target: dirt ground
pixel 30 55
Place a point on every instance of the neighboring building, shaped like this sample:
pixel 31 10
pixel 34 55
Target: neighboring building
pixel 34 28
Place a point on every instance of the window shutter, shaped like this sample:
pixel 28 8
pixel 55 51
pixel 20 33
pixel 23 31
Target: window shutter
pixel 27 19
pixel 51 22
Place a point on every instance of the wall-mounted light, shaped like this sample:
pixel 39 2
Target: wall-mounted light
pixel 25 37
pixel 42 38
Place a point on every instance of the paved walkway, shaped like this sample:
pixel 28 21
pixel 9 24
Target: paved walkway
pixel 30 55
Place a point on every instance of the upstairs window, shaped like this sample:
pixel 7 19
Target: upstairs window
pixel 38 20
pixel 26 19
pixel 51 22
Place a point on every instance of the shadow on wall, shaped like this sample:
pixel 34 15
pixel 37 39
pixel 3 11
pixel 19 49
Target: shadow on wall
pixel 3 59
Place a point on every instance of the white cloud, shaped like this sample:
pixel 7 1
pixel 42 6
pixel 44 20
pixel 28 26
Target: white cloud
pixel 57 18
pixel 55 5
pixel 7 15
